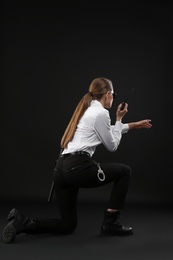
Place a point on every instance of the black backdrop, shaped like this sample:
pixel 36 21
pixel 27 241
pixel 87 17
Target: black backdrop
pixel 49 57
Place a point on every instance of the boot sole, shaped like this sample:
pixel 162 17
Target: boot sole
pixel 13 213
pixel 116 233
pixel 9 232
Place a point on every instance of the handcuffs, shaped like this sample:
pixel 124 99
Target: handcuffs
pixel 100 173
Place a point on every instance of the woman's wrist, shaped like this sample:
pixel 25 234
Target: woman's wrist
pixel 119 119
pixel 132 125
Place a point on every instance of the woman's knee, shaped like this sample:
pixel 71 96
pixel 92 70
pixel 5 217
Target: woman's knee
pixel 128 171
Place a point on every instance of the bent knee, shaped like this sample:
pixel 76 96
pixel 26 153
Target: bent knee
pixel 128 171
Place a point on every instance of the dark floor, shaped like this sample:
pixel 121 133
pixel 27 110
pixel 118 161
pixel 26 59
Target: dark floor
pixel 152 238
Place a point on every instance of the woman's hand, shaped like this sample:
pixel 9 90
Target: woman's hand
pixel 120 113
pixel 140 124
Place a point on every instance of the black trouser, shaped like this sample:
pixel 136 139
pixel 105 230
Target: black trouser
pixel 80 171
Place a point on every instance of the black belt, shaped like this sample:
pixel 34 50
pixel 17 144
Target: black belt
pixel 74 153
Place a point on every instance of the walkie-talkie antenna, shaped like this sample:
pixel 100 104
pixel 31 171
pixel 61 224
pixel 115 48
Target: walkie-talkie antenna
pixel 125 101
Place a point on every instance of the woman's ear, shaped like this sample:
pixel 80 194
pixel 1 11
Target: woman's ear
pixel 107 94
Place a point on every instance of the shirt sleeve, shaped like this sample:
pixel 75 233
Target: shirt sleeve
pixel 125 128
pixel 109 135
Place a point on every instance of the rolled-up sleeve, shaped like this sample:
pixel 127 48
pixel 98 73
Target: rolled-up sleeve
pixel 109 135
pixel 125 128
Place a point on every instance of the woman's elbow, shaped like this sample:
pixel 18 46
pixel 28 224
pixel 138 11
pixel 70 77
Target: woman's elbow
pixel 113 148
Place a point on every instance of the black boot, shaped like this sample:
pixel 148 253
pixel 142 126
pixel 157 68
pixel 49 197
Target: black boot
pixel 17 223
pixel 112 226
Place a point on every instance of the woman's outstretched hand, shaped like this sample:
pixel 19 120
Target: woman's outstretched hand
pixel 146 123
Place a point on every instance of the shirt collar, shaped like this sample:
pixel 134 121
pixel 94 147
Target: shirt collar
pixel 96 102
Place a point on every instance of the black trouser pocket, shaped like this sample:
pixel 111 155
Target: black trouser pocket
pixel 76 162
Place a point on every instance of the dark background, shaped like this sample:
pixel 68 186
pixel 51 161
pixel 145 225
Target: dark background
pixel 49 57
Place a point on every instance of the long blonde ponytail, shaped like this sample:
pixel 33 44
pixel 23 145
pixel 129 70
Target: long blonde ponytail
pixel 78 113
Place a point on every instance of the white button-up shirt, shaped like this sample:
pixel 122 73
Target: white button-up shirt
pixel 94 128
